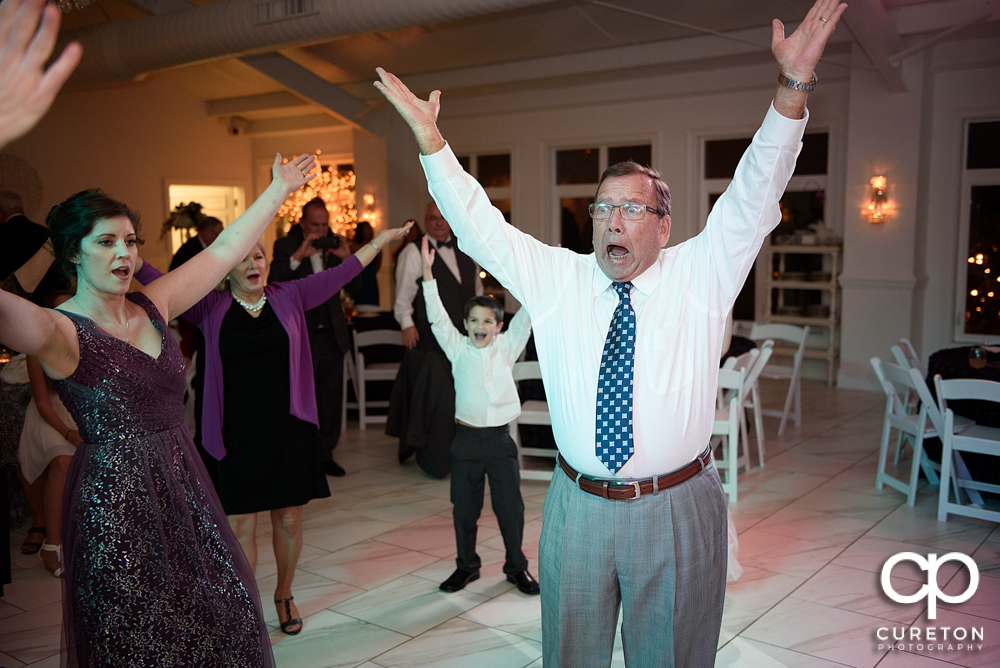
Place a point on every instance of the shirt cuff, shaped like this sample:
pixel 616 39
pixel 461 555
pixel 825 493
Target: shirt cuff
pixel 439 166
pixel 293 263
pixel 780 130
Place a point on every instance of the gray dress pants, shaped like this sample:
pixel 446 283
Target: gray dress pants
pixel 661 557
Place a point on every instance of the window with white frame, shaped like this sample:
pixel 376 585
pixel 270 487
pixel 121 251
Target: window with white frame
pixel 978 302
pixel 577 173
pixel 492 170
pixel 803 206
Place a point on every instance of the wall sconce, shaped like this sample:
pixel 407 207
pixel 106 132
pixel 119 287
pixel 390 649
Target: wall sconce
pixel 878 208
pixel 370 214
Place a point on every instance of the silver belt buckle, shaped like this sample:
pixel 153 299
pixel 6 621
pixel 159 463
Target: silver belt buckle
pixel 634 484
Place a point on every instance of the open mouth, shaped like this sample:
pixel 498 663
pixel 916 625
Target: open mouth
pixel 121 272
pixel 479 336
pixel 253 277
pixel 616 252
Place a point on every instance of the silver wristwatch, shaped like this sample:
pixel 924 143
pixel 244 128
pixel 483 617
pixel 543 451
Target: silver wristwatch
pixel 797 85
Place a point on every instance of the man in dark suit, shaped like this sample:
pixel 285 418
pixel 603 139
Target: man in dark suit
pixel 20 239
pixel 208 229
pixel 422 406
pixel 296 257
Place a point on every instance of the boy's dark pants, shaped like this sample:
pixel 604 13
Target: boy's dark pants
pixel 476 453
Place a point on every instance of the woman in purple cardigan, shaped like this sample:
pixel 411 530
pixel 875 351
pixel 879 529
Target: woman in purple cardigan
pixel 259 417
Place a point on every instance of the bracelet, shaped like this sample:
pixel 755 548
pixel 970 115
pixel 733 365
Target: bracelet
pixel 372 244
pixel 800 86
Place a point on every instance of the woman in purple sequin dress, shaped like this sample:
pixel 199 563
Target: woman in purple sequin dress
pixel 153 575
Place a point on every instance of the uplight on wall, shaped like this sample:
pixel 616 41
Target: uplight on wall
pixel 370 213
pixel 878 208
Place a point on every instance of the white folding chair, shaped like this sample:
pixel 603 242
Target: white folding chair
pixel 906 362
pixel 911 355
pixel 363 372
pixel 961 423
pixel 349 374
pixel 726 430
pixel 751 398
pixel 976 438
pixel 914 428
pixel 798 336
pixel 533 411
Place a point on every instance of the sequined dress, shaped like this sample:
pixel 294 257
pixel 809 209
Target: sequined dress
pixel 153 574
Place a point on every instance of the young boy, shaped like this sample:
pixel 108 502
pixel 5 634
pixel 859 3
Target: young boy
pixel 485 402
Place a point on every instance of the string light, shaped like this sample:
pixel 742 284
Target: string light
pixel 336 190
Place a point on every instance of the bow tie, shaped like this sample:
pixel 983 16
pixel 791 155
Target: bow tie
pixel 446 244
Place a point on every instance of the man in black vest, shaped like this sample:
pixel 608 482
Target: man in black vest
pixel 295 257
pixel 457 277
pixel 422 406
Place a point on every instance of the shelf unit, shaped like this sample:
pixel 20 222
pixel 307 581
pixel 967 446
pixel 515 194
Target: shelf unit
pixel 830 323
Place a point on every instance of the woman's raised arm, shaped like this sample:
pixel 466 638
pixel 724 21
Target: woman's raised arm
pixel 181 288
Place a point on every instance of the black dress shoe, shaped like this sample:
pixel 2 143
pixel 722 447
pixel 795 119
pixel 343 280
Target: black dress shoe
pixel 459 579
pixel 525 582
pixel 334 469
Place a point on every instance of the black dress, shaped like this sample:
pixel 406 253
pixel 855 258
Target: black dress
pixel 272 457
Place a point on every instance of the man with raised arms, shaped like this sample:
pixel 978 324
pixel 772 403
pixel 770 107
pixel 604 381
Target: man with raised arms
pixel 629 340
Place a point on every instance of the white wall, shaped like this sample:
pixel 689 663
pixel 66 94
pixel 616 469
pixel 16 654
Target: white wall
pixel 131 141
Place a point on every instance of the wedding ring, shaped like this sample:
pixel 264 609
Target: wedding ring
pixel 823 20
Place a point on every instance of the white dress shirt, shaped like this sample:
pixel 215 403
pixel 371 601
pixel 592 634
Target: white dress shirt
pixel 316 259
pixel 410 267
pixel 485 394
pixel 681 303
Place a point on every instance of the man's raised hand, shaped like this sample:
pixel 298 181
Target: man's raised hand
pixel 420 115
pixel 798 53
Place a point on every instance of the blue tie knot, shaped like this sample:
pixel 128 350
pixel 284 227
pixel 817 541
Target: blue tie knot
pixel 623 290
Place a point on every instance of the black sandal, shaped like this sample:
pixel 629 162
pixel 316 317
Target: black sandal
pixel 288 611
pixel 31 547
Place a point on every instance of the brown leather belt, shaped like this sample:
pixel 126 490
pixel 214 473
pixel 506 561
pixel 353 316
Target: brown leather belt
pixel 621 490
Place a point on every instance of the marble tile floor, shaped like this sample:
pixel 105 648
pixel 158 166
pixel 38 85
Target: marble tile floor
pixel 813 535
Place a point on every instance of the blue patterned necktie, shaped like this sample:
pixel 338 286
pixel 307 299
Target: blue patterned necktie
pixel 614 385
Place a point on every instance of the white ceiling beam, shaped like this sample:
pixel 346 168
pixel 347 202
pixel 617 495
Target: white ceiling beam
pixel 340 105
pixel 877 37
pixel 656 56
pixel 294 125
pixel 241 105
pixel 934 16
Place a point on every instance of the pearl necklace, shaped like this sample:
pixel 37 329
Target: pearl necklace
pixel 253 308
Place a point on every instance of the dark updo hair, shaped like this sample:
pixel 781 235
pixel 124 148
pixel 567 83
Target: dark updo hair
pixel 486 302
pixel 75 218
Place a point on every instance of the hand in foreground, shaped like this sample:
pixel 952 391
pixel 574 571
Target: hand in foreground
pixel 388 236
pixel 295 173
pixel 798 53
pixel 410 338
pixel 428 253
pixel 420 115
pixel 27 89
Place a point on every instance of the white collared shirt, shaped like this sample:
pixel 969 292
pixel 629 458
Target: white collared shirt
pixel 410 267
pixel 681 303
pixel 485 394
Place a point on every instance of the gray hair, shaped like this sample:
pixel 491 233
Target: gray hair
pixel 630 167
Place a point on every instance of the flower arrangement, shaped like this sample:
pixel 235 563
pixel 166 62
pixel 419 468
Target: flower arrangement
pixel 183 217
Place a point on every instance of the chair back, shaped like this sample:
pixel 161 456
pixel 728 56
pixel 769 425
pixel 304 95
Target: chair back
pixel 895 381
pixel 911 355
pixel 764 354
pixel 732 380
pixel 790 333
pixel 376 337
pixel 526 371
pixel 966 388
pixel 927 400
pixel 900 357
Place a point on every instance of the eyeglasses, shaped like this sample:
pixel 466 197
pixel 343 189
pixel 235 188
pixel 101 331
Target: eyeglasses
pixel 631 212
